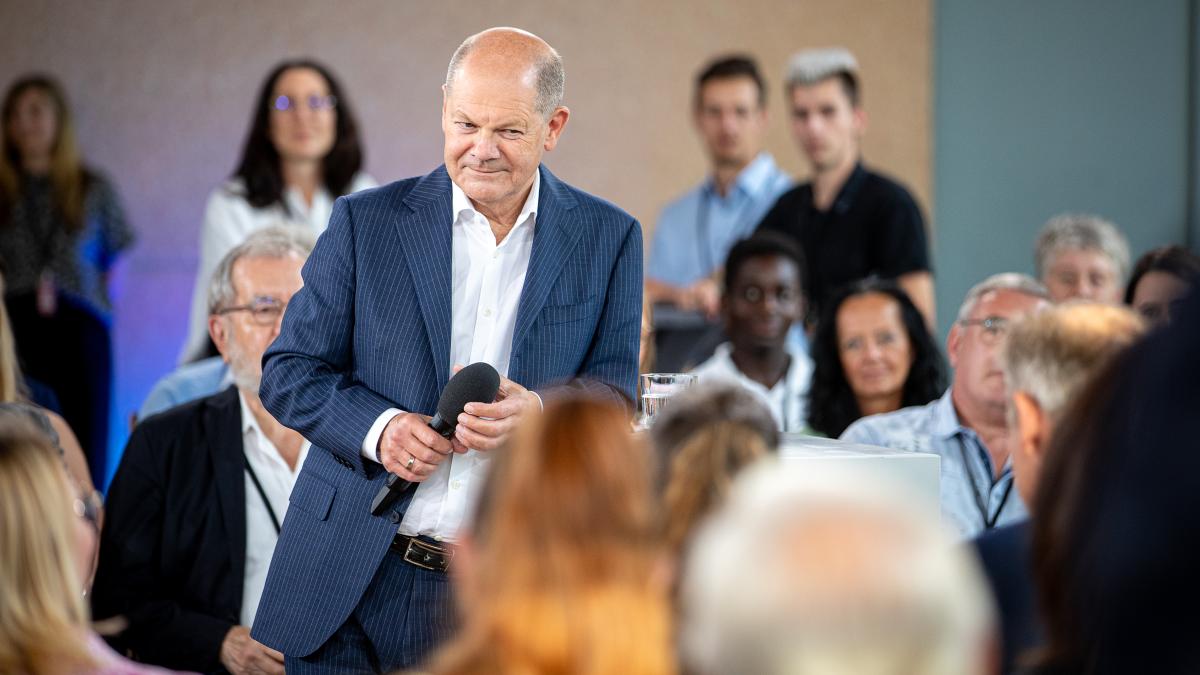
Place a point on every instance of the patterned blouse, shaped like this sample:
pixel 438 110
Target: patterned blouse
pixel 35 239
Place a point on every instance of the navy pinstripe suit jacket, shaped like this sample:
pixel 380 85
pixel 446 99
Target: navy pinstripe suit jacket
pixel 370 330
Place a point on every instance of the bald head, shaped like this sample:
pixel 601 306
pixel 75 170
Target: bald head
pixel 513 53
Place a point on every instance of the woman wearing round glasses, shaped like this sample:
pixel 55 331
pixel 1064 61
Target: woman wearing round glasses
pixel 302 152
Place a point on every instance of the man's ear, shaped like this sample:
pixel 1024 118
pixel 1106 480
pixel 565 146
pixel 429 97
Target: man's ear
pixel 218 330
pixel 1032 427
pixel 558 122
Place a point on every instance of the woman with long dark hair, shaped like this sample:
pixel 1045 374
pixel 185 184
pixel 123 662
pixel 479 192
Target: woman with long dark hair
pixel 61 230
pixel 301 153
pixel 873 354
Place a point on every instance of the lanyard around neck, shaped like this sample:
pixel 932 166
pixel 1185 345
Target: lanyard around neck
pixel 981 501
pixel 262 493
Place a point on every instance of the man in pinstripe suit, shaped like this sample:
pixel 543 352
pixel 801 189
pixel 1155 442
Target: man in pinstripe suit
pixel 489 258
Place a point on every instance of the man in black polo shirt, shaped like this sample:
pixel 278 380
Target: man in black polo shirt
pixel 850 222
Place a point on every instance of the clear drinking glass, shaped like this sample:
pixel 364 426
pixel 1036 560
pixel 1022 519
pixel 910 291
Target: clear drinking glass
pixel 656 389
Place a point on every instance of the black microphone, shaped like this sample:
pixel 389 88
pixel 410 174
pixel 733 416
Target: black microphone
pixel 476 383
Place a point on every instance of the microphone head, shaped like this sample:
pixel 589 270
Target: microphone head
pixel 476 383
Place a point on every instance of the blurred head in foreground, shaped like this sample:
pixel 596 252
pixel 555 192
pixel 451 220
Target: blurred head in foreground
pixel 706 436
pixel 832 574
pixel 1049 359
pixel 45 557
pixel 1117 516
pixel 558 572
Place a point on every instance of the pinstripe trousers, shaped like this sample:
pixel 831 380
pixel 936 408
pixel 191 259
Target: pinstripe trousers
pixel 404 615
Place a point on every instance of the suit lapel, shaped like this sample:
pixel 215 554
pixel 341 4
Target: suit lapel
pixel 425 235
pixel 223 432
pixel 556 232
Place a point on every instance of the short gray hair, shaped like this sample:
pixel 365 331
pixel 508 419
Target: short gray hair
pixel 551 76
pixel 1051 354
pixel 898 591
pixel 276 241
pixel 1005 281
pixel 1081 232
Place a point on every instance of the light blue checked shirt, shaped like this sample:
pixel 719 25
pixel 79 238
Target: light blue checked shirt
pixel 967 487
pixel 695 232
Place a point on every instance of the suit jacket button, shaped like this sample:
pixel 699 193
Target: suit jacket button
pixel 395 517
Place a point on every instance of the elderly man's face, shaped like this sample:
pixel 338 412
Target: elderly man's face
pixel 263 286
pixel 976 344
pixel 1086 274
pixel 494 136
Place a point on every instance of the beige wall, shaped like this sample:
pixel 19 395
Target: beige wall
pixel 162 91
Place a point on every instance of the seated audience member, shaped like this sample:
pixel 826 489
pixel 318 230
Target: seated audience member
pixel 196 504
pixel 1050 357
pixel 762 298
pixel 49 534
pixel 805 575
pixel 558 570
pixel 1161 279
pixel 702 440
pixel 695 232
pixel 302 152
pixel 1116 520
pixel 968 425
pixel 873 354
pixel 1082 256
pixel 850 222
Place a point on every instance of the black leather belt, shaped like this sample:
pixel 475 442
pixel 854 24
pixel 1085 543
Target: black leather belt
pixel 424 553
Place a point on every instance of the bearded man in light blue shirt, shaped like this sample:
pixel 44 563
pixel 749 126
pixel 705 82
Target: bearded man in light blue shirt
pixel 695 232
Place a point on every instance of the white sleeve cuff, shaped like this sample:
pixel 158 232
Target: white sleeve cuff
pixel 541 403
pixel 371 442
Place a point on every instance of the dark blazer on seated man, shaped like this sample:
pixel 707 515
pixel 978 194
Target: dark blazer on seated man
pixel 173 548
pixel 1006 559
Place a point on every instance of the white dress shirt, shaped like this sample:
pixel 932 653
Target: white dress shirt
pixel 228 220
pixel 487 280
pixel 788 399
pixel 277 480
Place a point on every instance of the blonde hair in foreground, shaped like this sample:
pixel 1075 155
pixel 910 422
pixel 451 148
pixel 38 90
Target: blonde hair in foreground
pixel 41 603
pixel 562 574
pixel 847 577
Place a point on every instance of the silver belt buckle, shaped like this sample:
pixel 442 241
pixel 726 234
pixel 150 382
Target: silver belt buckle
pixel 418 553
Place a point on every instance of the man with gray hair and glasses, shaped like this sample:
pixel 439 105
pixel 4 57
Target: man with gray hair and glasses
pixel 850 222
pixel 198 500
pixel 968 426
pixel 1049 360
pixel 1079 255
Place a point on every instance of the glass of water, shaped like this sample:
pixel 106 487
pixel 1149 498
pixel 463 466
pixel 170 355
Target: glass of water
pixel 656 389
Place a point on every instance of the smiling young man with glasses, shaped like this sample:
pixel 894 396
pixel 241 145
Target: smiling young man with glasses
pixel 196 505
pixel 968 426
